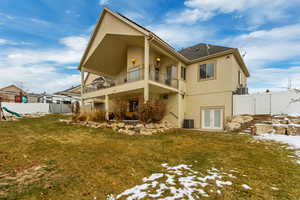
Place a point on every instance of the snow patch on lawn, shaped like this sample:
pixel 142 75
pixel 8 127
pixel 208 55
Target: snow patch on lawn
pixel 293 141
pixel 181 182
pixel 247 187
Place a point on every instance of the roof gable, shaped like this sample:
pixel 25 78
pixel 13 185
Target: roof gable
pixel 12 88
pixel 110 23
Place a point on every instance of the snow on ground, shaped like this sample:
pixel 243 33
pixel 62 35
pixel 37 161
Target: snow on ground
pixel 293 141
pixel 182 182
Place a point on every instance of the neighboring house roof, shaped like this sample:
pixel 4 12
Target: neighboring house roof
pixel 12 89
pixel 188 55
pixel 73 91
pixel 202 50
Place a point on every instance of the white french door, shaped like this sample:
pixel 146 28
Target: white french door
pixel 212 119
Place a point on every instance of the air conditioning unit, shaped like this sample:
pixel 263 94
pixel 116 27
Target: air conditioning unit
pixel 188 123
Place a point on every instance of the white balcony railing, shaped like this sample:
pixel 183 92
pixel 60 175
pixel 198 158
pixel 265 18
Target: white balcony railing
pixel 135 74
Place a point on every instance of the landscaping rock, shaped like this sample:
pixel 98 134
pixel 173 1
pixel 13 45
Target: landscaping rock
pixel 280 129
pixel 297 130
pixel 242 119
pixel 139 126
pixel 121 125
pixel 295 120
pixel 264 128
pixel 291 130
pixel 233 126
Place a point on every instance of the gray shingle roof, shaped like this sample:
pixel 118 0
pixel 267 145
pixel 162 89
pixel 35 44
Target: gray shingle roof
pixel 202 50
pixel 194 52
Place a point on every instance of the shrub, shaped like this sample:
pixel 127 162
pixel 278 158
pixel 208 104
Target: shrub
pixel 153 110
pixel 120 109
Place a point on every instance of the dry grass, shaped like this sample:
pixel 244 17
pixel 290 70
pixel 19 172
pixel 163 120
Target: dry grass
pixel 83 163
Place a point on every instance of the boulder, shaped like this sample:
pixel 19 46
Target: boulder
pixel 242 119
pixel 150 126
pixel 291 130
pixel 233 126
pixel 280 129
pixel 297 130
pixel 276 121
pixel 102 125
pixel 295 120
pixel 121 125
pixel 129 127
pixel 264 128
pixel 145 132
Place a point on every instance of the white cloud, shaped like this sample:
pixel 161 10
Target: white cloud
pixel 264 49
pixel 3 41
pixel 269 46
pixel 180 35
pixel 103 2
pixel 10 42
pixel 71 67
pixel 70 53
pixel 276 79
pixel 256 12
pixel 31 66
pixel 39 21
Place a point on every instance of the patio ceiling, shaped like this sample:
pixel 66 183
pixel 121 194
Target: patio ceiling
pixel 110 57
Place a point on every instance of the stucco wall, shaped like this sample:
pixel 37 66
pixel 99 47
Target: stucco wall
pixel 111 25
pixel 194 104
pixel 210 93
pixel 235 69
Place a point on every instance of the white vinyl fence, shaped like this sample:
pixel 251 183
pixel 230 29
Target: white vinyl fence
pixel 31 108
pixel 287 102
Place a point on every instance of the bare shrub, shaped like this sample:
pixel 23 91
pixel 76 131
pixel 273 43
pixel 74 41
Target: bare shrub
pixel 159 110
pixel 120 109
pixel 152 110
pixel 89 115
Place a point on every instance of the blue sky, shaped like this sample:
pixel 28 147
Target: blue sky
pixel 42 41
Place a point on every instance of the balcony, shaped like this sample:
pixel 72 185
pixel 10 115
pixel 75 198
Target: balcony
pixel 133 75
pixel 105 82
pixel 163 79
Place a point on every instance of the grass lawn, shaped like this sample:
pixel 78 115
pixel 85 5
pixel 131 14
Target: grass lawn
pixel 43 158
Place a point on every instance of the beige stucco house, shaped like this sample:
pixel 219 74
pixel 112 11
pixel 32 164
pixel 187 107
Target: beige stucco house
pixel 197 83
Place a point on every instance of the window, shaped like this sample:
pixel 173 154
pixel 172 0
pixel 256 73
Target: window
pixel 133 105
pixel 183 73
pixel 207 71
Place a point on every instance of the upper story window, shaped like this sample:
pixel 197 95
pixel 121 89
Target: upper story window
pixel 207 71
pixel 183 73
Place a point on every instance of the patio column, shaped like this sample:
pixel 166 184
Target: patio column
pixel 179 96
pixel 82 86
pixel 106 107
pixel 146 69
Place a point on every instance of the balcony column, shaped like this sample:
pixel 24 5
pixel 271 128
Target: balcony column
pixel 146 68
pixel 106 107
pixel 179 96
pixel 82 86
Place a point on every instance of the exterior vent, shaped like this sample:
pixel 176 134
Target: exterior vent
pixel 188 123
